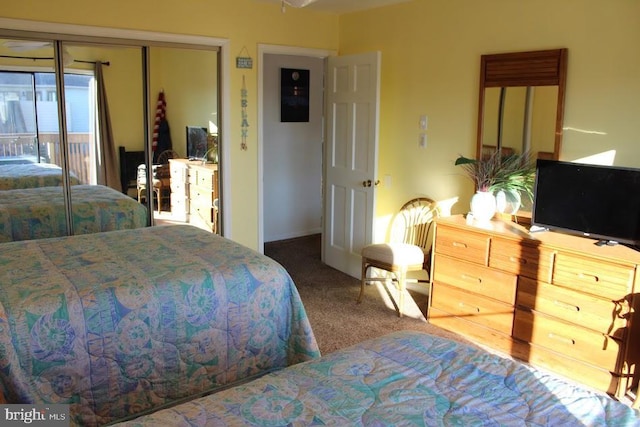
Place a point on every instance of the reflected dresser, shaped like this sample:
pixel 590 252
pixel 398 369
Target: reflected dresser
pixel 194 193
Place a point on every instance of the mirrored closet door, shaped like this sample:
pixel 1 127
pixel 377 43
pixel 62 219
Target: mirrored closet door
pixel 32 174
pixel 115 140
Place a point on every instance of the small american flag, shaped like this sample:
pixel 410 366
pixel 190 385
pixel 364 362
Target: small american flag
pixel 161 112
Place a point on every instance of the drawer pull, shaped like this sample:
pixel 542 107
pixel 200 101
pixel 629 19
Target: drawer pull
pixel 459 245
pixel 589 276
pixel 472 308
pixel 562 339
pixel 566 305
pixel 521 261
pixel 472 278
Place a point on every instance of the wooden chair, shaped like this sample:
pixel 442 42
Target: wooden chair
pixel 408 249
pixel 142 185
pixel 161 177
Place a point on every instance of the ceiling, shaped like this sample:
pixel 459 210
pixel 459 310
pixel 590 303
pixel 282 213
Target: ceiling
pixel 343 6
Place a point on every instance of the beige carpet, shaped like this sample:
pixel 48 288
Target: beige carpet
pixel 329 297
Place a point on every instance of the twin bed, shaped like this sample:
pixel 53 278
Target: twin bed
pixel 403 379
pixel 121 322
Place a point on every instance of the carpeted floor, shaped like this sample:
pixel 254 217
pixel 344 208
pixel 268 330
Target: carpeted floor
pixel 329 297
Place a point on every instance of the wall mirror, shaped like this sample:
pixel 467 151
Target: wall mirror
pixel 521 103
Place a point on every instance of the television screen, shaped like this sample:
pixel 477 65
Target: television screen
pixel 197 143
pixel 602 202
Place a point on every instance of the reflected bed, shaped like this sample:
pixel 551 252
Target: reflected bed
pixel 37 213
pixel 31 175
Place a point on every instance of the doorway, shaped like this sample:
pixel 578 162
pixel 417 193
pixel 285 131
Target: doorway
pixel 289 153
pixel 349 161
pixel 292 156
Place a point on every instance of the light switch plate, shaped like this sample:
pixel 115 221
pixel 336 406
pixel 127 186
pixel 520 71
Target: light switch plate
pixel 422 141
pixel 423 122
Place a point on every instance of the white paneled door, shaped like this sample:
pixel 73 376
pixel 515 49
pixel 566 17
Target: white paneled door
pixel 353 86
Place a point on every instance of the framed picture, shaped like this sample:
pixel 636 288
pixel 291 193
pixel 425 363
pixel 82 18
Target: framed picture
pixel 294 95
pixel 197 142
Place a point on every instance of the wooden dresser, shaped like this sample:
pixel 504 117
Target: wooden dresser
pixel 554 300
pixel 194 190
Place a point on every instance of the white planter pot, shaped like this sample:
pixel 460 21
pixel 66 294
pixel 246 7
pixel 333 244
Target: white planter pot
pixel 483 206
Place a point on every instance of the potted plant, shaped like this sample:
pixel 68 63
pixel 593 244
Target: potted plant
pixel 510 176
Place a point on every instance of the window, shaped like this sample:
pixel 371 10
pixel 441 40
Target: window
pixel 29 129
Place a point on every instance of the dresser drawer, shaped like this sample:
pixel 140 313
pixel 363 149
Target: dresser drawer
pixel 178 187
pixel 201 177
pixel 606 279
pixel 473 247
pixel 177 171
pixel 201 195
pixel 585 310
pixel 475 278
pixel 520 258
pixel 570 339
pixel 201 215
pixel 473 308
pixel 585 373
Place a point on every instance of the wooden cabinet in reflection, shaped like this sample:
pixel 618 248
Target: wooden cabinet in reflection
pixel 194 193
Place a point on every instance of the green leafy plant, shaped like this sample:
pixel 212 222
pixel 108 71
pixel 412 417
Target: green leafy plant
pixel 514 172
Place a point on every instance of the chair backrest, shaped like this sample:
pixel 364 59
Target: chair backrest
pixel 413 224
pixel 142 176
pixel 163 158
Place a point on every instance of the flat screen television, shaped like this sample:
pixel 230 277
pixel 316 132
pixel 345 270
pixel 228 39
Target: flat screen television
pixel 601 202
pixel 197 142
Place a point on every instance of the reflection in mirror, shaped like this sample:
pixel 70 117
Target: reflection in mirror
pixel 92 146
pixel 519 119
pixel 102 84
pixel 188 81
pixel 521 102
pixel 31 176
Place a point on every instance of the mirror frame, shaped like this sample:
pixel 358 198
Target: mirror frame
pixel 515 69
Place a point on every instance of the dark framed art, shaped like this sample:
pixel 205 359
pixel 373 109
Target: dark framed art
pixel 294 95
pixel 197 142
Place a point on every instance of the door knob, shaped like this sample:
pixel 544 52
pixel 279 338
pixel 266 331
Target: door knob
pixel 366 183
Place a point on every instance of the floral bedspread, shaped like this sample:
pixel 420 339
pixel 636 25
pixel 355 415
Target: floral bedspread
pixel 31 175
pixel 402 379
pixel 37 213
pixel 121 322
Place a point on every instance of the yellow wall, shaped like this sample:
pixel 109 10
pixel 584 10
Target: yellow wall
pixel 430 65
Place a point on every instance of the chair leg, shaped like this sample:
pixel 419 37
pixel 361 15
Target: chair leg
pixel 402 287
pixel 362 282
